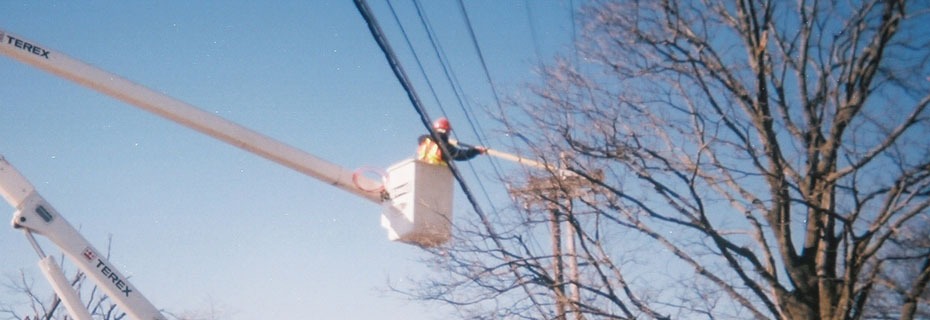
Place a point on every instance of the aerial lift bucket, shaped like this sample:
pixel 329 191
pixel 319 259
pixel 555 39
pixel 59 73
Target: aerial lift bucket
pixel 419 211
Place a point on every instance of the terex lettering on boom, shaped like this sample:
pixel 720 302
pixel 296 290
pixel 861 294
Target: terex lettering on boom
pixel 36 50
pixel 113 276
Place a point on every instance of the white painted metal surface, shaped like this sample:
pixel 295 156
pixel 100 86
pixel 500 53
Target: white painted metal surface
pixel 420 212
pixel 56 277
pixel 36 215
pixel 40 56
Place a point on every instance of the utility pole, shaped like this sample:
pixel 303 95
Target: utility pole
pixel 554 193
pixel 573 266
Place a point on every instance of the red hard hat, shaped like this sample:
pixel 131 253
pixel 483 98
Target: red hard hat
pixel 442 124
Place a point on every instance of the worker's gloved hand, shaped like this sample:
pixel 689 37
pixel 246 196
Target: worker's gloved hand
pixel 482 150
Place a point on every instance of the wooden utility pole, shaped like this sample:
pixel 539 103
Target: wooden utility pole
pixel 548 192
pixel 573 267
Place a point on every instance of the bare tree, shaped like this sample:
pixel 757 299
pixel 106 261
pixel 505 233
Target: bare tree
pixel 729 159
pixel 34 306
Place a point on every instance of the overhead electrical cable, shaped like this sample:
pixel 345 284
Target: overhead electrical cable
pixel 494 90
pixel 491 83
pixel 516 138
pixel 573 12
pixel 427 78
pixel 416 58
pixel 443 61
pixel 487 74
pixel 511 260
pixel 447 69
pixel 459 93
pixel 497 102
pixel 513 266
pixel 532 23
pixel 389 54
pixel 484 67
pixel 484 64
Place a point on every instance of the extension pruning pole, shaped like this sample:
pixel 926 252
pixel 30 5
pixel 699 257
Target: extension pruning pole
pixel 520 160
pixel 529 162
pixel 40 56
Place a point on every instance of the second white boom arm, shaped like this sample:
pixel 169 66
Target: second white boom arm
pixel 34 214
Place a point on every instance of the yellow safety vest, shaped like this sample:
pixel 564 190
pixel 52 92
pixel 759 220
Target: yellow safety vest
pixel 430 152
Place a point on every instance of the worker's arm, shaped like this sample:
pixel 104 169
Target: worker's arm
pixel 462 152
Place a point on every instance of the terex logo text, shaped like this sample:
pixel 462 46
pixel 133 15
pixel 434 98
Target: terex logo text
pixel 34 49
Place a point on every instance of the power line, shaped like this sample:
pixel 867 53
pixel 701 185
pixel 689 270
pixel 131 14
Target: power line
pixel 515 268
pixel 459 92
pixel 416 57
pixel 484 64
pixel 484 68
pixel 443 62
pixel 573 13
pixel 389 54
pixel 532 22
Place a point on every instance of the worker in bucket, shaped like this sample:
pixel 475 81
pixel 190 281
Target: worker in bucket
pixel 430 152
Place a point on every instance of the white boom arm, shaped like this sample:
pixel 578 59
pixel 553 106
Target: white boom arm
pixel 35 215
pixel 40 56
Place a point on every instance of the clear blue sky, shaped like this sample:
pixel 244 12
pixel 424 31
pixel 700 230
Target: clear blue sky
pixel 200 224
